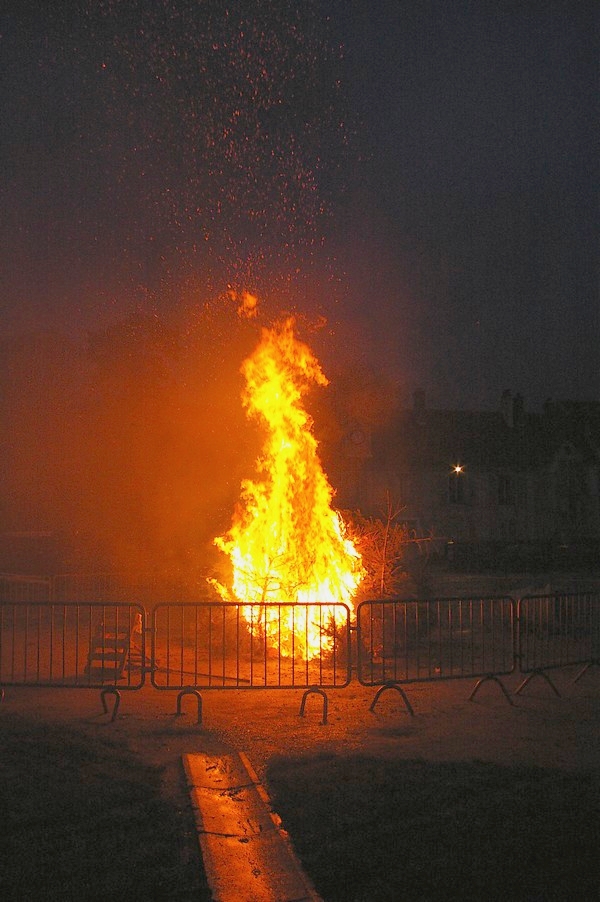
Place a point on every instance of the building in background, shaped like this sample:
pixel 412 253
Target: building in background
pixel 491 484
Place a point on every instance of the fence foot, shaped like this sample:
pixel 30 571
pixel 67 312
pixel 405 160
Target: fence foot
pixel 190 691
pixel 392 685
pixel 315 691
pixel 529 678
pixel 111 690
pixel 485 679
pixel 585 668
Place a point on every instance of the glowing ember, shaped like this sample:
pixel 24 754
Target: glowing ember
pixel 286 543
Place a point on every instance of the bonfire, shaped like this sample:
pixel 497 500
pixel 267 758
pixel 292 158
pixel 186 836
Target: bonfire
pixel 287 545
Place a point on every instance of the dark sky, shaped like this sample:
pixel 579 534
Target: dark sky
pixel 421 172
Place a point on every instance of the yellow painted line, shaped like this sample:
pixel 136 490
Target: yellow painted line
pixel 247 855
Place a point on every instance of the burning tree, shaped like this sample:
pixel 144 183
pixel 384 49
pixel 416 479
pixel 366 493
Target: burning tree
pixel 390 552
pixel 286 543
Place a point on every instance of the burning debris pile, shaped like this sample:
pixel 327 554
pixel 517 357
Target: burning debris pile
pixel 286 543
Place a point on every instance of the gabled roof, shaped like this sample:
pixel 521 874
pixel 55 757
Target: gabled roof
pixel 424 438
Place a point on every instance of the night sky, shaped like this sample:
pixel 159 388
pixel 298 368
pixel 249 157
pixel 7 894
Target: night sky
pixel 420 173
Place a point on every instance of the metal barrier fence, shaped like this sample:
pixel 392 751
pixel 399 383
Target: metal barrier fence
pixel 72 645
pixel 440 639
pixel 48 638
pixel 232 646
pixel 557 631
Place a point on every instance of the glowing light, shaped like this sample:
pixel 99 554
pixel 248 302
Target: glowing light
pixel 286 543
pixel 458 468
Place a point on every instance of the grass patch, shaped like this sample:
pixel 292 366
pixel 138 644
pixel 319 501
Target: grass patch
pixel 82 819
pixel 369 830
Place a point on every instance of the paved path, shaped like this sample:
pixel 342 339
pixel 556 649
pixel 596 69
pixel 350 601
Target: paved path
pixel 246 853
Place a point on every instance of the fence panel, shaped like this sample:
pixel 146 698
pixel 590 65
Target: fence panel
pixel 212 645
pixel 558 630
pixel 87 645
pixel 435 639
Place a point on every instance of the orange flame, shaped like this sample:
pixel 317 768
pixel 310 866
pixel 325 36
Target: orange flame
pixel 286 543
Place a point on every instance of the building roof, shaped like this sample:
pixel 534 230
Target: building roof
pixel 424 438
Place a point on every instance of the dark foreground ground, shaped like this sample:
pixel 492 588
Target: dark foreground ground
pixel 467 800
